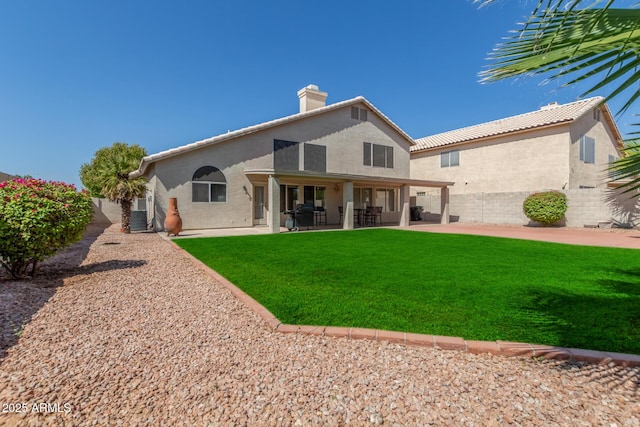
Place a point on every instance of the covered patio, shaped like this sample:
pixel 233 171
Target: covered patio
pixel 336 199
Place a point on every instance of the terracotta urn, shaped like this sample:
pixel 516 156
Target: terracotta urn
pixel 173 222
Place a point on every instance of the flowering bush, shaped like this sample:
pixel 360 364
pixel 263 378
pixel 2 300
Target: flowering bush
pixel 38 218
pixel 546 208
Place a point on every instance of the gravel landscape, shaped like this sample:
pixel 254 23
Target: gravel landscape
pixel 125 330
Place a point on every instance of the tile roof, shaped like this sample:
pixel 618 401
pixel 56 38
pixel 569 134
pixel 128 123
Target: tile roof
pixel 546 116
pixel 146 161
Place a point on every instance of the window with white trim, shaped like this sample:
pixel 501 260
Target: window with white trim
pixel 208 185
pixel 359 114
pixel 386 197
pixel 587 149
pixel 450 158
pixel 377 155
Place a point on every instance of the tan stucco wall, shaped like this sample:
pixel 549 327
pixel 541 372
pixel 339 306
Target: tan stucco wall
pixel 529 161
pixel 342 135
pixel 544 159
pixel 591 174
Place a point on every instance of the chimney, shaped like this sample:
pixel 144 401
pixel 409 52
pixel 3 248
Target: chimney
pixel 549 106
pixel 311 98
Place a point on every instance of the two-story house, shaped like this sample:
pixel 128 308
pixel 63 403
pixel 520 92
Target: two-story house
pixel 496 165
pixel 556 147
pixel 339 158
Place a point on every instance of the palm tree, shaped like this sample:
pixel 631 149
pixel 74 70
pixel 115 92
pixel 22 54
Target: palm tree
pixel 597 42
pixel 108 176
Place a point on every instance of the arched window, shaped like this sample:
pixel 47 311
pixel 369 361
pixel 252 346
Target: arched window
pixel 208 185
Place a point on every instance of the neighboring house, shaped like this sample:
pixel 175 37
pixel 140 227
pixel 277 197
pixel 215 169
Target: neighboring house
pixel 557 147
pixel 495 165
pixel 5 177
pixel 344 156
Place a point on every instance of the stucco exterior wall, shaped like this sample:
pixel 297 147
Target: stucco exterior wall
pixel 534 160
pixel 342 136
pixel 173 179
pixel 591 174
pixel 496 175
pixel 528 161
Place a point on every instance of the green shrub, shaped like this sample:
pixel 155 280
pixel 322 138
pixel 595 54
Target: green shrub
pixel 38 218
pixel 546 208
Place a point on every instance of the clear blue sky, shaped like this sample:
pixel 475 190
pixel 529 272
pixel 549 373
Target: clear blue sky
pixel 78 75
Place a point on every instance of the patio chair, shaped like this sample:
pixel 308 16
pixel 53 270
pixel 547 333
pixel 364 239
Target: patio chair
pixel 320 215
pixel 368 216
pixel 377 215
pixel 373 215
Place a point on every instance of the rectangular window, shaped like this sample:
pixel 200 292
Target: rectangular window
pixel 612 161
pixel 321 194
pixel 362 197
pixel 292 198
pixel 450 158
pixel 139 204
pixel 218 192
pixel 587 149
pixel 208 192
pixel 315 158
pixel 377 155
pixel 391 200
pixel 200 192
pixel 359 114
pixel 386 197
pixel 367 153
pixel 286 155
pixel 283 198
pixel 308 194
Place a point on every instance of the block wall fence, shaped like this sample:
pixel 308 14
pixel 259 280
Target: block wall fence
pixel 105 212
pixel 586 207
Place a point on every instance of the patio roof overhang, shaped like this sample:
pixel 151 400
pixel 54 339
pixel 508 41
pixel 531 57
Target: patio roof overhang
pixel 253 174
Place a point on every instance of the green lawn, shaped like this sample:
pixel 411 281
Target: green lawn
pixel 475 287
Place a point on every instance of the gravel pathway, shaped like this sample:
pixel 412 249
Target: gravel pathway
pixel 135 335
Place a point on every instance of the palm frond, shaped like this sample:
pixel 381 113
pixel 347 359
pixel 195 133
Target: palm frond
pixel 626 170
pixel 579 43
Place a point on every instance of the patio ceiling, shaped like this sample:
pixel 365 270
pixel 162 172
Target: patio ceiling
pixel 261 174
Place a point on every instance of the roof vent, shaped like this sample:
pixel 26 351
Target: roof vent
pixel 549 106
pixel 311 98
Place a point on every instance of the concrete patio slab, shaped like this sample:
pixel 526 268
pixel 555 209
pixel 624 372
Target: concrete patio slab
pixel 620 238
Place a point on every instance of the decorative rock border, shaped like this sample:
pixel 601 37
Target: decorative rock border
pixel 500 348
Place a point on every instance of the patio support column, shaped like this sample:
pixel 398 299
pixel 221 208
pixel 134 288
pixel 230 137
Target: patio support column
pixel 347 203
pixel 405 216
pixel 444 205
pixel 273 215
